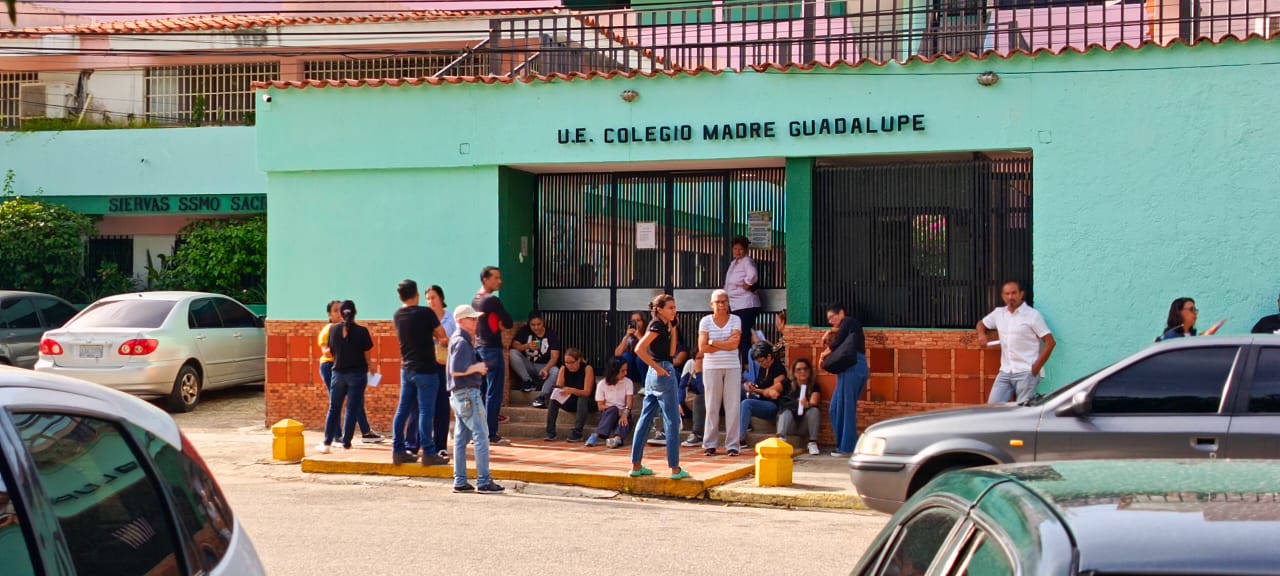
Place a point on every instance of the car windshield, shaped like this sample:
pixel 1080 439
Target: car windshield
pixel 1041 398
pixel 124 314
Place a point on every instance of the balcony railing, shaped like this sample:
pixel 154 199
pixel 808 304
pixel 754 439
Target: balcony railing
pixel 737 36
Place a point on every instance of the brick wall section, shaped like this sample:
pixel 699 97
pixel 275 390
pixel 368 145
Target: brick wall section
pixel 294 389
pixel 911 371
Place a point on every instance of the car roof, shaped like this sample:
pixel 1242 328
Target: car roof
pixel 172 296
pixel 123 405
pixel 4 293
pixel 1197 513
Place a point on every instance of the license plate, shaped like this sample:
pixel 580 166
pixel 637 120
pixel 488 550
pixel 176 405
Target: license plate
pixel 91 351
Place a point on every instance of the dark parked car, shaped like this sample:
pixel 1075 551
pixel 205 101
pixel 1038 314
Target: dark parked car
pixel 1206 397
pixel 24 317
pixel 1087 517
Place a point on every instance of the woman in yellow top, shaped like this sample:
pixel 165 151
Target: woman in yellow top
pixel 326 371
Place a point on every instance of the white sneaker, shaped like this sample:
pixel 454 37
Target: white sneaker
pixel 324 448
pixel 612 443
pixel 813 449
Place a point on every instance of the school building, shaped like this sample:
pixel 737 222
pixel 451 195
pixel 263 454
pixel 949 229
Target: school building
pixel 1112 181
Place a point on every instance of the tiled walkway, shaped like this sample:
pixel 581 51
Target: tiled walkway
pixel 556 463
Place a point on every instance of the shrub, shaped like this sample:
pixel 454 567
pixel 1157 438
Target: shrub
pixel 223 256
pixel 42 245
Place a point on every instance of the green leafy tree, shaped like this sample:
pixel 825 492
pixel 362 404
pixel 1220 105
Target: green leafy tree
pixel 224 256
pixel 43 244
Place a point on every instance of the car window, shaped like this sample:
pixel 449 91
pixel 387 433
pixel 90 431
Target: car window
pixel 197 500
pixel 1186 381
pixel 55 313
pixel 204 314
pixel 920 539
pixel 18 313
pixel 1264 395
pixel 138 313
pixel 112 516
pixel 984 557
pixel 15 536
pixel 235 315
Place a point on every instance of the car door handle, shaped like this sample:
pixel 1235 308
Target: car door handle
pixel 199 336
pixel 237 336
pixel 1205 444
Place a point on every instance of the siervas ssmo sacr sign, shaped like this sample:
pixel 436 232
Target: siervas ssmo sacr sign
pixel 863 125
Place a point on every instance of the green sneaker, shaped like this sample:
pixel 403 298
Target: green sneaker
pixel 680 475
pixel 641 472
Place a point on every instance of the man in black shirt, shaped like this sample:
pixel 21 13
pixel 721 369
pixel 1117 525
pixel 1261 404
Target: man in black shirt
pixel 489 329
pixel 1268 324
pixel 535 355
pixel 418 329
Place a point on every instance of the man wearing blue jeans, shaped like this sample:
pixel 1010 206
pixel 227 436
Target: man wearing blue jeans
pixel 1025 345
pixel 418 329
pixel 465 375
pixel 488 334
pixel 766 384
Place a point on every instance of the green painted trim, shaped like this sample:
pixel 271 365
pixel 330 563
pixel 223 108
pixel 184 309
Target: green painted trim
pixel 837 8
pixel 674 14
pixel 147 204
pixel 517 218
pixel 757 12
pixel 799 202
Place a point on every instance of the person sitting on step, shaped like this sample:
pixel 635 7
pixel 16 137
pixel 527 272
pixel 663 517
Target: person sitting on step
pixel 693 400
pixel 534 357
pixel 574 390
pixel 800 403
pixel 764 389
pixel 614 395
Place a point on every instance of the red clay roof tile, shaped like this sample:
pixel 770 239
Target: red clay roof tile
pixel 235 22
pixel 679 72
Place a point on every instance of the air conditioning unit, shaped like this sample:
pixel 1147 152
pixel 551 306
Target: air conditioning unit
pixel 44 100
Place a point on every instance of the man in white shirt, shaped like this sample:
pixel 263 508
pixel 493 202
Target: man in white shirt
pixel 1025 345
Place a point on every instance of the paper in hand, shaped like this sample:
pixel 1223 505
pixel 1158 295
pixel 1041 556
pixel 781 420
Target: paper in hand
pixel 375 378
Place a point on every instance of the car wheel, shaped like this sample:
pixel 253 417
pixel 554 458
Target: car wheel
pixel 186 390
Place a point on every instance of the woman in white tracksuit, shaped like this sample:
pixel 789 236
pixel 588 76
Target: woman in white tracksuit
pixel 719 335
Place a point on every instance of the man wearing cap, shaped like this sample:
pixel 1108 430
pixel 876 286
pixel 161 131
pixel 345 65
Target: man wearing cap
pixel 465 376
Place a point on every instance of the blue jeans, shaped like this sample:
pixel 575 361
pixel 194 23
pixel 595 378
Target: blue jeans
pixel 757 408
pixel 468 406
pixel 495 383
pixel 326 376
pixel 1020 385
pixel 659 394
pixel 348 386
pixel 748 318
pixel 844 405
pixel 417 397
pixel 439 424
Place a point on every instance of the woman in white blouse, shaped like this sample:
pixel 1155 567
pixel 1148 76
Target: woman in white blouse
pixel 719 335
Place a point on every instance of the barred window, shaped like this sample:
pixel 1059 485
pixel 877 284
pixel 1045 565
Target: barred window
pixel 206 93
pixel 116 250
pixel 9 83
pixel 920 244
pixel 417 66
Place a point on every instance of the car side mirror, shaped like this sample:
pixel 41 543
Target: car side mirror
pixel 1079 406
pixel 262 321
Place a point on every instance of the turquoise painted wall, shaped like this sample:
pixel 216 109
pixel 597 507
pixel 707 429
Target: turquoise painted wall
pixel 134 162
pixel 356 234
pixel 1154 168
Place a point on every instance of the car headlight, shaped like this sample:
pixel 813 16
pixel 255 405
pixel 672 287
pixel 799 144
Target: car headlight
pixel 870 446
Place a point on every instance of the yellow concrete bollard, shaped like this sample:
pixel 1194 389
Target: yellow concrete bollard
pixel 773 462
pixel 287 444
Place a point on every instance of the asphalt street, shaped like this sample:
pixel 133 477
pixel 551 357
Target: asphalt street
pixel 320 524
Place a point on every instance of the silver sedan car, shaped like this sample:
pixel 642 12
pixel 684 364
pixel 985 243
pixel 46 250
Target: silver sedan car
pixel 93 481
pixel 160 345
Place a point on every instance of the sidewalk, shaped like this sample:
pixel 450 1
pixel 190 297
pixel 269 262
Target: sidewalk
pixel 820 481
pixel 817 482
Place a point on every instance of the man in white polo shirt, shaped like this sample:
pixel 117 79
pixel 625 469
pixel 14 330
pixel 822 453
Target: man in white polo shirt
pixel 1022 331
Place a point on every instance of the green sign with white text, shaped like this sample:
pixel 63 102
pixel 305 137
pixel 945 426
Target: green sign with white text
pixel 228 204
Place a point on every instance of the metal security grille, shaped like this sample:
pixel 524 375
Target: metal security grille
pixel 9 82
pixel 606 244
pixel 396 67
pixel 205 94
pixel 116 250
pixel 920 244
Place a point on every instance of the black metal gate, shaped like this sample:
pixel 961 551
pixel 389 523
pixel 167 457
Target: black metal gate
pixel 608 243
pixel 921 244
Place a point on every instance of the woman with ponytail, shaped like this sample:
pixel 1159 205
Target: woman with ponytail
pixel 351 347
pixel 657 348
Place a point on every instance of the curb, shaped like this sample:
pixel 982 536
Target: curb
pixel 690 489
pixel 831 500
